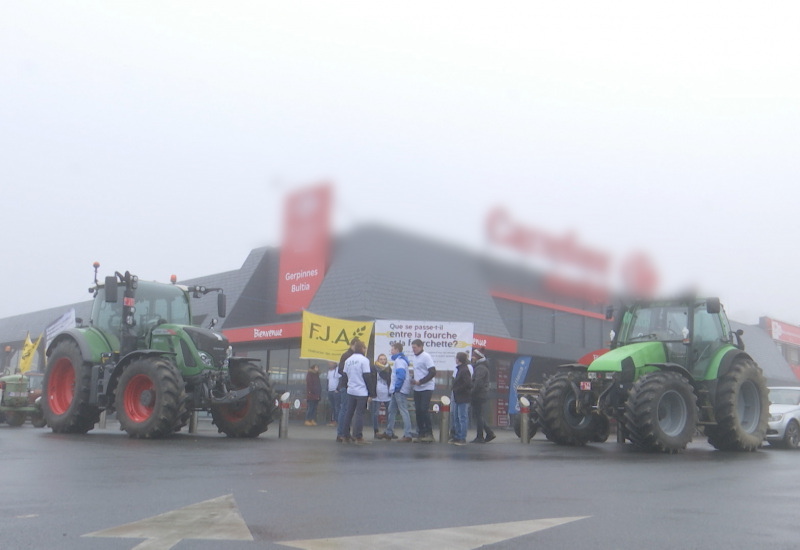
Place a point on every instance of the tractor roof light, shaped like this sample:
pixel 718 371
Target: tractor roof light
pixel 173 279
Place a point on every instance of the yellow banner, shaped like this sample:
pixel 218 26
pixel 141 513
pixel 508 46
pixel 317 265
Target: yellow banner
pixel 27 353
pixel 328 338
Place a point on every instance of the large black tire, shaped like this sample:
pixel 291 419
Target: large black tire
pixel 148 398
pixel 603 429
pixel 741 408
pixel 38 421
pixel 533 425
pixel 661 412
pixel 66 386
pixel 251 417
pixel 557 417
pixel 15 418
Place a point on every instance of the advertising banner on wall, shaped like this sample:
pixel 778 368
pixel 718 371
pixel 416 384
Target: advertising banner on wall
pixel 441 339
pixel 304 250
pixel 518 373
pixel 328 338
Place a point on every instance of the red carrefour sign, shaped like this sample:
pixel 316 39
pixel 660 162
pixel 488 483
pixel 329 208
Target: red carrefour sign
pixel 304 252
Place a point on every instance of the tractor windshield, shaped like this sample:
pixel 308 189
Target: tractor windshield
pixel 159 303
pixel 154 304
pixel 666 323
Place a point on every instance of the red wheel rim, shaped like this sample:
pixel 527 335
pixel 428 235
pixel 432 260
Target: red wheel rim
pixel 61 387
pixel 139 398
pixel 234 413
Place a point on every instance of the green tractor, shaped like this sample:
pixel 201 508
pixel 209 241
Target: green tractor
pixel 20 399
pixel 675 366
pixel 141 357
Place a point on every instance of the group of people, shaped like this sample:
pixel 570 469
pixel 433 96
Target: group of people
pixel 353 382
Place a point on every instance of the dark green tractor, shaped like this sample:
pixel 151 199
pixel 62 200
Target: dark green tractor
pixel 675 367
pixel 141 357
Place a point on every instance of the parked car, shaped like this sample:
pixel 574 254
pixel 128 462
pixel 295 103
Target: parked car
pixel 784 417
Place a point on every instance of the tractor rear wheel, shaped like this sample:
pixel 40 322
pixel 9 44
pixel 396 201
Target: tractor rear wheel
pixel 560 421
pixel 148 398
pixel 251 416
pixel 66 386
pixel 741 408
pixel 661 412
pixel 15 418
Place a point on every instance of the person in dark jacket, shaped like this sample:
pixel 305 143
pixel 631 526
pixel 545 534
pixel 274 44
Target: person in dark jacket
pixel 313 394
pixel 462 393
pixel 480 395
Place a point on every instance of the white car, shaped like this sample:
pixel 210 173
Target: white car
pixel 784 417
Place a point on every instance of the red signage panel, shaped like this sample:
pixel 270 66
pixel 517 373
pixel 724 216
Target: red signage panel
pixel 265 332
pixel 304 252
pixel 783 332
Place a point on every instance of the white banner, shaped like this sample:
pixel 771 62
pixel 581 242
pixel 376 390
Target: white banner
pixel 442 339
pixel 63 323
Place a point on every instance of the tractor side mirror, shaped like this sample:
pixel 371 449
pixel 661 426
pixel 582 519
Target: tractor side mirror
pixel 221 305
pixel 111 290
pixel 609 313
pixel 712 305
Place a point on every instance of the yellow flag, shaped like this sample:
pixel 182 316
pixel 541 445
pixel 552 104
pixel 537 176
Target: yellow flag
pixel 328 338
pixel 28 350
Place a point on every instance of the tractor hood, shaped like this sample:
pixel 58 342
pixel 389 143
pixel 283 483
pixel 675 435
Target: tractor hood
pixel 641 353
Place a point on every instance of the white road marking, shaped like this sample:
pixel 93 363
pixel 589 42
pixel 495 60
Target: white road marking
pixel 215 519
pixel 452 538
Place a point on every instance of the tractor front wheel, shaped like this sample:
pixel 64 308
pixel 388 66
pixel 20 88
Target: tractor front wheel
pixel 15 418
pixel 559 418
pixel 661 412
pixel 148 398
pixel 251 416
pixel 66 386
pixel 741 409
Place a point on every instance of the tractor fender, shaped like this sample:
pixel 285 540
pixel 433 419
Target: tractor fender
pixel 672 367
pixel 721 369
pixel 126 360
pixel 91 344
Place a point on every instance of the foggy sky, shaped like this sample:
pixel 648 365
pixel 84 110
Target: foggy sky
pixel 162 137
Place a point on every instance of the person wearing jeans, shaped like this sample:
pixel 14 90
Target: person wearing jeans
pixel 334 398
pixel 480 393
pixel 358 370
pixel 462 392
pixel 400 386
pixel 424 384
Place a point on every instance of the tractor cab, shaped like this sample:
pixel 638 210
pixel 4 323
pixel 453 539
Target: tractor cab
pixel 691 331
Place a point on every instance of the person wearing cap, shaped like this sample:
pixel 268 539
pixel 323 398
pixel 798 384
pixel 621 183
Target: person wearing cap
pixel 480 394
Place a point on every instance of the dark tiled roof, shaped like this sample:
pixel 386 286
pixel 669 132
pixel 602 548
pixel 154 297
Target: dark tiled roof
pixel 377 273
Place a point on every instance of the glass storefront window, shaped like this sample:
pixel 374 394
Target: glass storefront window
pixel 297 367
pixel 279 367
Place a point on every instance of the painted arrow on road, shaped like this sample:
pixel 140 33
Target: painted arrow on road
pixel 215 519
pixel 453 538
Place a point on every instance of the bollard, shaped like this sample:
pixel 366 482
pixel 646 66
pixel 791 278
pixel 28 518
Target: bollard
pixel 444 417
pixel 102 423
pixel 193 423
pixel 283 431
pixel 524 419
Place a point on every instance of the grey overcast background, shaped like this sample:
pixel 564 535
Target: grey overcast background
pixel 161 137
